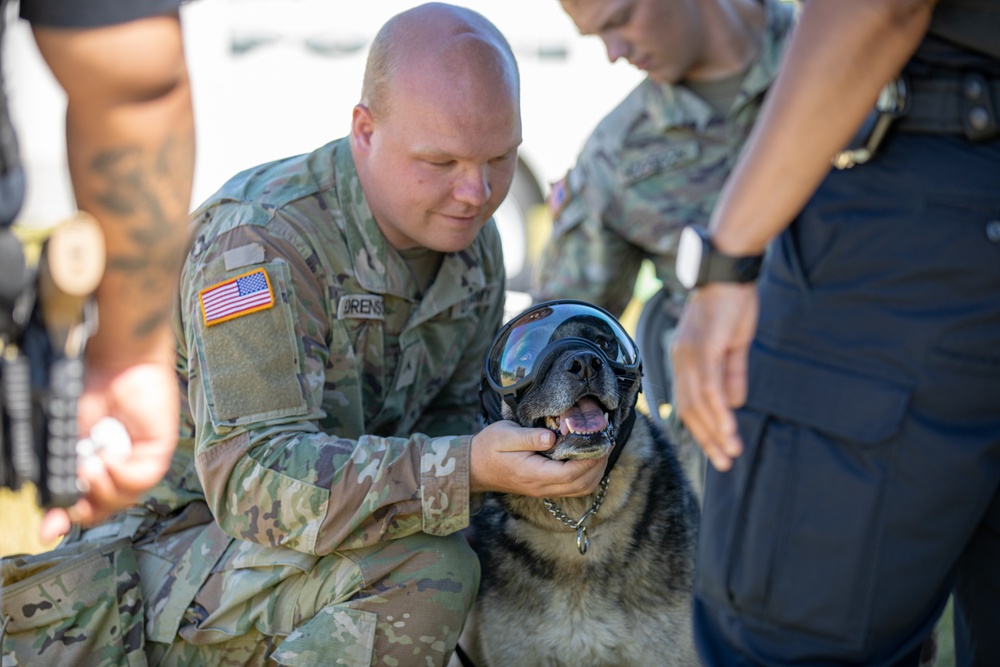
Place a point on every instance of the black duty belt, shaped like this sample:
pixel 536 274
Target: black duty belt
pixel 965 104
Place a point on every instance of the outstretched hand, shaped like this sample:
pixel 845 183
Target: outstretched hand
pixel 505 458
pixel 709 356
pixel 144 398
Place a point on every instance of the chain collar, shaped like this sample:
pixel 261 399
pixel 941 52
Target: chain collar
pixel 582 541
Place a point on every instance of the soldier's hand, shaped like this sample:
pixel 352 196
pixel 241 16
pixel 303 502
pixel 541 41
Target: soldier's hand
pixel 505 457
pixel 144 398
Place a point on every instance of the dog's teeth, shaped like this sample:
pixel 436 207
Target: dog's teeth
pixel 606 417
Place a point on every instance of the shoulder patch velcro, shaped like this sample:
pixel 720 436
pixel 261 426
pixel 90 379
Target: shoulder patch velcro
pixel 235 297
pixel 559 197
pixel 361 307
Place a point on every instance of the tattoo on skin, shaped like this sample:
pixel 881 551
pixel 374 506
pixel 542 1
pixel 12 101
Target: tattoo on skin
pixel 144 193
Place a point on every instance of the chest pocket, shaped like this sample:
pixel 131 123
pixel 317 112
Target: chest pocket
pixel 642 163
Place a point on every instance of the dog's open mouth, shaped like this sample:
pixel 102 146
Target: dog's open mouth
pixel 582 431
pixel 586 417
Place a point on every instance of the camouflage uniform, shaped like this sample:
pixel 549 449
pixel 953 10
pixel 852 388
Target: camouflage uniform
pixel 652 166
pixel 655 164
pixel 318 431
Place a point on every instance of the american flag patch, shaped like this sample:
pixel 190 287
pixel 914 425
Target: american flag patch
pixel 235 297
pixel 559 197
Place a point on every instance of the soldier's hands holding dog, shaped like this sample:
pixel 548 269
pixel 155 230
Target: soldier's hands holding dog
pixel 505 457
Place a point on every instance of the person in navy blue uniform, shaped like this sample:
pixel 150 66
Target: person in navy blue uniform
pixel 849 397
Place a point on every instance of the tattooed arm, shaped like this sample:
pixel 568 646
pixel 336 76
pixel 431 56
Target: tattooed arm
pixel 130 143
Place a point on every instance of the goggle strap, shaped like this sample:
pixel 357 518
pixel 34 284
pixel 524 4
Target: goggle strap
pixel 621 440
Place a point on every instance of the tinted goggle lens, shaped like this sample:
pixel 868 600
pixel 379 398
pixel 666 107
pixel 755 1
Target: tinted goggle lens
pixel 521 345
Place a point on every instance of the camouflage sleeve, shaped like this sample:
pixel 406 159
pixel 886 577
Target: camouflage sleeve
pixel 257 377
pixel 586 258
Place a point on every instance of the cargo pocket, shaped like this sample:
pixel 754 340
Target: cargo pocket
pixel 250 588
pixel 335 636
pixel 795 525
pixel 169 604
pixel 80 605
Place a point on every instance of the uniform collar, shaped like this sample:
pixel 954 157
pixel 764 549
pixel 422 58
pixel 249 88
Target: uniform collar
pixel 367 246
pixel 378 268
pixel 780 16
pixel 677 106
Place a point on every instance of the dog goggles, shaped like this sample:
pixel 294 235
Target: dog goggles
pixel 525 345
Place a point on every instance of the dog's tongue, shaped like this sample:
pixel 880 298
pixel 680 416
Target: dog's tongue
pixel 584 417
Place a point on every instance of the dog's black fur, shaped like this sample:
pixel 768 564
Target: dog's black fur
pixel 627 600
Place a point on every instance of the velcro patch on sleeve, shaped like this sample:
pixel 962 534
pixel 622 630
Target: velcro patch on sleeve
pixel 235 297
pixel 559 197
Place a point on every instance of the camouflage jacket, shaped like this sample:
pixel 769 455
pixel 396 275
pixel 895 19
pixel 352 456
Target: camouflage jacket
pixel 655 164
pixel 327 404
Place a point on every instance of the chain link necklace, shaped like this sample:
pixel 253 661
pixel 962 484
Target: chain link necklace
pixel 582 541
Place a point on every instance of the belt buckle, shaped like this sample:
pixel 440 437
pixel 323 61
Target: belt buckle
pixel 894 98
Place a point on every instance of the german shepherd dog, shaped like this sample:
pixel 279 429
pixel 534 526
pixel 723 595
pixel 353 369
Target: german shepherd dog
pixel 604 579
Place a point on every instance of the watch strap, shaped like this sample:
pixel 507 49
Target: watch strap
pixel 721 268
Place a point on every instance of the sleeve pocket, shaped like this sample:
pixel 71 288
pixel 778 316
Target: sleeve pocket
pixel 251 364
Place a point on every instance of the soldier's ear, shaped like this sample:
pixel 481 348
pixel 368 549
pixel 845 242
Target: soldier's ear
pixel 362 128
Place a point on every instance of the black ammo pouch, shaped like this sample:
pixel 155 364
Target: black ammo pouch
pixel 47 313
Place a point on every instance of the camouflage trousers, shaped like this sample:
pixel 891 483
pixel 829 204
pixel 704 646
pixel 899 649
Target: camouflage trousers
pixel 187 594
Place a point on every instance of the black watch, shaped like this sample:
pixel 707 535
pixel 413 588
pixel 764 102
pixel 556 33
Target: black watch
pixel 699 263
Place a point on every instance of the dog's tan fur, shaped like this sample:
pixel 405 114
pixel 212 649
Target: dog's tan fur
pixel 627 600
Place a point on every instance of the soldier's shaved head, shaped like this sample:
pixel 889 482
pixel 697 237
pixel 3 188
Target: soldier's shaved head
pixel 456 44
pixel 435 137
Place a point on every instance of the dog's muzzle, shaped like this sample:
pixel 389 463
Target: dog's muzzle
pixel 528 344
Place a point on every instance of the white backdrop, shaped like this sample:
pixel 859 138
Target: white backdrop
pixel 294 90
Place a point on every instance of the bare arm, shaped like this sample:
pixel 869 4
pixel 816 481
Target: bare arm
pixel 841 54
pixel 130 143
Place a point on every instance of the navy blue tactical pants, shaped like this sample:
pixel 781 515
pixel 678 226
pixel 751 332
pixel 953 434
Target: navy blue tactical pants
pixel 868 489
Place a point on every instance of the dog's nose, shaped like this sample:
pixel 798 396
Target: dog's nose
pixel 584 365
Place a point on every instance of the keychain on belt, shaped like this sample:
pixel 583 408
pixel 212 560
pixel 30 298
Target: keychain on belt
pixel 890 105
